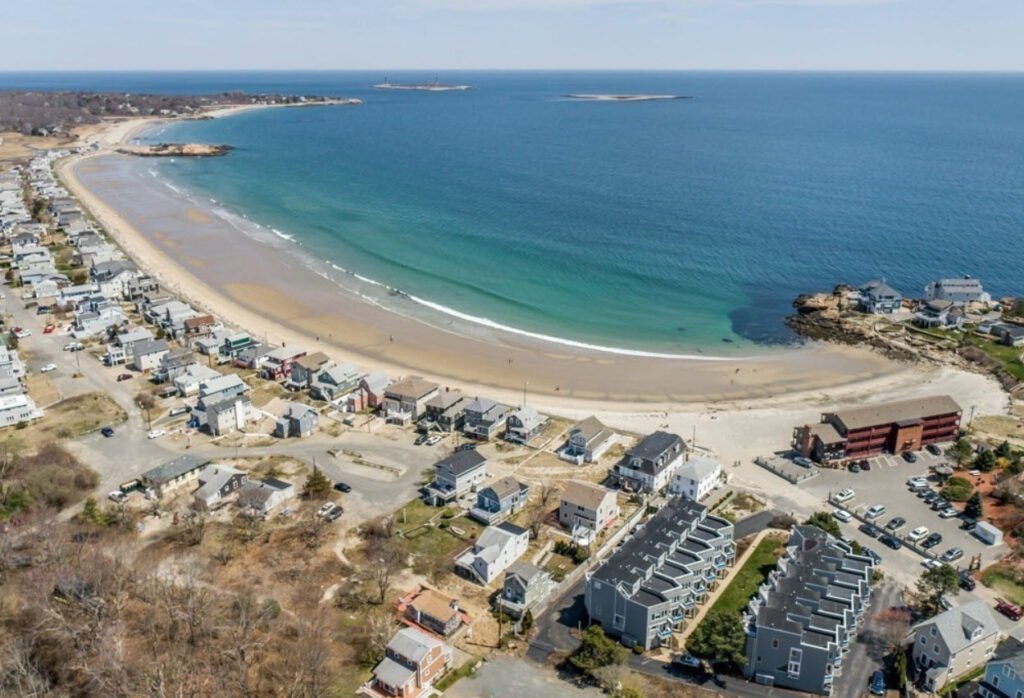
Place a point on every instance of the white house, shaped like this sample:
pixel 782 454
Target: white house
pixel 954 642
pixel 259 497
pixel 496 548
pixel 15 409
pixel 187 383
pixel 696 478
pixel 587 442
pixel 146 354
pixel 11 363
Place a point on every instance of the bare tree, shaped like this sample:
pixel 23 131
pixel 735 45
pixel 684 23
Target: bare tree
pixel 540 509
pixel 374 632
pixel 386 562
pixel 893 626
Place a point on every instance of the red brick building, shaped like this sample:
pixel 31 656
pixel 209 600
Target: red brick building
pixel 892 427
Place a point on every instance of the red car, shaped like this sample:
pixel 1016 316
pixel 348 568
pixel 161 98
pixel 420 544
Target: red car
pixel 1011 611
pixel 49 329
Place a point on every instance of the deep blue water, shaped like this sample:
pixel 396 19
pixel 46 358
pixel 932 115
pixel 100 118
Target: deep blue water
pixel 651 225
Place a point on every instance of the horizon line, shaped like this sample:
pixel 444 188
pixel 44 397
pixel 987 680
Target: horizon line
pixel 885 71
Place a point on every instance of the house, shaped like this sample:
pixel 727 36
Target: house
pixel 880 298
pixel 696 478
pixel 499 500
pixel 939 313
pixel 483 417
pixel 893 427
pixel 959 291
pixel 444 412
pixel 173 364
pixel 112 278
pixel 494 551
pixel 373 386
pixel 304 369
pixel 433 611
pixel 298 420
pixel 457 474
pixel 413 661
pixel 405 401
pixel 333 381
pixel 260 497
pixel 647 588
pixel 1012 336
pixel 217 483
pixel 651 464
pixel 525 586
pixel 587 442
pixel 10 362
pixel 199 326
pixel 221 386
pixel 172 474
pixel 146 354
pixel 1004 675
pixel 953 643
pixel 586 509
pixel 17 409
pixel 235 343
pixel 225 415
pixel 127 340
pixel 9 385
pixel 524 424
pixel 252 356
pixel 187 383
pixel 278 362
pixel 88 323
pixel 802 621
pixel 139 286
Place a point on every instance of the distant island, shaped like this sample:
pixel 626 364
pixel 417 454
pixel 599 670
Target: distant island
pixel 624 98
pixel 422 87
pixel 198 150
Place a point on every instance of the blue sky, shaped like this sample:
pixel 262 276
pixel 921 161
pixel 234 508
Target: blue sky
pixel 527 34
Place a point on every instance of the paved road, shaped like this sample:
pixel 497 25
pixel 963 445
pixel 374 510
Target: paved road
pixel 509 677
pixel 725 685
pixel 867 653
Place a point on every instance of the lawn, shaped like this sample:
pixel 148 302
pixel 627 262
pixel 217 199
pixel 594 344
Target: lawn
pixel 1002 581
pixel 1008 357
pixel 753 573
pixel 437 540
pixel 69 419
pixel 558 566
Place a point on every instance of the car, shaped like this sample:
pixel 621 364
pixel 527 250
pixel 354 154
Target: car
pixel 917 534
pixel 854 468
pixel 844 495
pixel 688 662
pixel 909 456
pixel 803 462
pixel 865 465
pixel 434 440
pixel 966 581
pixel 895 523
pixel 21 332
pixel 464 447
pixel 945 604
pixel 940 503
pixel 325 508
pixel 931 564
pixel 917 482
pixel 42 310
pixel 930 496
pixel 420 440
pixel 156 434
pixel 117 496
pixel 952 555
pixel 923 492
pixel 842 515
pixel 933 449
pixel 931 541
pixel 107 431
pixel 875 557
pixel 1011 611
pixel 948 513
pixel 334 514
pixel 891 541
pixel 342 487
pixel 49 329
pixel 124 377
pixel 47 368
pixel 868 530
pixel 875 511
pixel 175 411
pixel 877 683
pixel 74 346
pixel 968 524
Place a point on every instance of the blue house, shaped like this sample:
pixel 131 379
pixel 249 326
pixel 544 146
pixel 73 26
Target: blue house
pixel 1004 675
pixel 498 501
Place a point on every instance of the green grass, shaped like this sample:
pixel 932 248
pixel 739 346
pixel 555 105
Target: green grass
pixel 433 540
pixel 1008 357
pixel 452 677
pixel 1002 581
pixel 753 573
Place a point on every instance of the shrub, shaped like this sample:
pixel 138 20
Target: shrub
pixel 957 489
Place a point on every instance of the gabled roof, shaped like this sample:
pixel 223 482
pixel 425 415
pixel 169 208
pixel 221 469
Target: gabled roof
pixel 653 446
pixel 312 362
pixel 592 431
pixel 174 468
pixel 433 603
pixel 376 382
pixel 527 571
pixel 213 477
pixel 413 644
pixel 149 346
pixel 462 462
pixel 958 625
pixel 584 494
pixel 411 388
pixel 699 468
pixel 505 487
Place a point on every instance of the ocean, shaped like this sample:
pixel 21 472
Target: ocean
pixel 662 226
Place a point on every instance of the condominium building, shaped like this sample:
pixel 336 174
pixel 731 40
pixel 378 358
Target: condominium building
pixel 802 620
pixel 659 576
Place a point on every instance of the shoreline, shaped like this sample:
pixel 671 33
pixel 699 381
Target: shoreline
pixel 592 380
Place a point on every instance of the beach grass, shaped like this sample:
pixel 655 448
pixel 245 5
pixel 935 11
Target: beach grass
pixel 753 573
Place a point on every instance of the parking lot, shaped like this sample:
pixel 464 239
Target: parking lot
pixel 885 484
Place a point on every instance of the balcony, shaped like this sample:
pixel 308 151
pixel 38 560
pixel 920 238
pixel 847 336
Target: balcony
pixel 665 632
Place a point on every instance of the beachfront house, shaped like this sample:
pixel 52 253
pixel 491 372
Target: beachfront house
pixel 304 369
pixel 880 298
pixel 444 412
pixel 499 500
pixel 958 291
pixel 251 356
pixel 696 478
pixel 939 313
pixel 278 362
pixel 524 424
pixel 372 388
pixel 495 550
pixel 651 464
pixel 587 442
pixel 333 381
pixel 405 401
pixel 197 327
pixel 457 474
pixel 235 343
pixel 112 278
pixel 217 484
pixel 483 417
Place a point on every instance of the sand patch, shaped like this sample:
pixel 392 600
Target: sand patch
pixel 269 301
pixel 196 216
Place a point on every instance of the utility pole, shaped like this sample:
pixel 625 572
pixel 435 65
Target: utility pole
pixel 525 384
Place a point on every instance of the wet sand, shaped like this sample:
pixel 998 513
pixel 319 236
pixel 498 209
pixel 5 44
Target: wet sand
pixel 262 288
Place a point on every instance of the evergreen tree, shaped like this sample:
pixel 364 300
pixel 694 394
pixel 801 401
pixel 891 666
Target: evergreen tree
pixel 975 508
pixel 720 639
pixel 317 486
pixel 826 522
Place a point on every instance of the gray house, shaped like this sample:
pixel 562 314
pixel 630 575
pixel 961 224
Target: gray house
pixel 298 420
pixel 587 442
pixel 444 412
pixel 498 501
pixel 525 586
pixel 217 483
pixel 650 465
pixel 172 474
pixel 953 643
pixel 484 417
pixel 802 620
pixel 524 424
pixel 959 291
pixel 173 364
pixel 880 298
pixel 659 576
pixel 457 474
pixel 334 380
pixel 304 369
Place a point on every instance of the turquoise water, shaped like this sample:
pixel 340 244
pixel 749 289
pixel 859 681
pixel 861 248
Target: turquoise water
pixel 668 225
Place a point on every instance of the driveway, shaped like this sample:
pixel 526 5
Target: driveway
pixel 867 653
pixel 510 677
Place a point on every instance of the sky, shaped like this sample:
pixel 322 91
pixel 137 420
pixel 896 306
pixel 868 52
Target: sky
pixel 513 34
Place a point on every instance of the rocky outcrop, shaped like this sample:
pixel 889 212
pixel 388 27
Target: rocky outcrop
pixel 197 150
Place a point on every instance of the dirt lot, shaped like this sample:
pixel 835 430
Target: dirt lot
pixel 68 419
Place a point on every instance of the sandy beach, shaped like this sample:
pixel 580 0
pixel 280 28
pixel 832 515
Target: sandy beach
pixel 271 294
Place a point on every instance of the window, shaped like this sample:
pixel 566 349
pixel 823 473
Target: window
pixel 619 621
pixel 933 631
pixel 995 680
pixel 923 639
pixel 795 656
pixel 775 644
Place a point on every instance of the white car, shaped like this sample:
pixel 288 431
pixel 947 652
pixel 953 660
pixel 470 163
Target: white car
pixel 434 440
pixel 842 515
pixel 917 482
pixel 74 346
pixel 844 495
pixel 156 434
pixel 21 334
pixel 917 534
pixel 47 368
pixel 948 513
pixel 325 509
pixel 874 512
pixel 117 496
pixel 931 564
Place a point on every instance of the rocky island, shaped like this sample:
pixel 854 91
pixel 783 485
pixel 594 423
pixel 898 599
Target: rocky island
pixel 195 150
